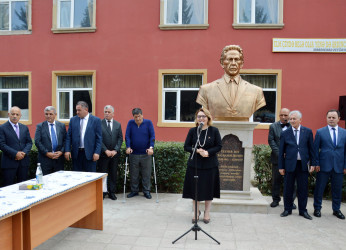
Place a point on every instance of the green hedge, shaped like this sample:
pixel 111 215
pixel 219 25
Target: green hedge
pixel 263 173
pixel 170 164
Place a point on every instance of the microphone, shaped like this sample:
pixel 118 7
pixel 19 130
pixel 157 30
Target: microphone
pixel 200 125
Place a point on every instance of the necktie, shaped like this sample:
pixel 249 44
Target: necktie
pixel 296 135
pixel 17 130
pixel 284 125
pixel 334 137
pixel 81 144
pixel 53 135
pixel 109 126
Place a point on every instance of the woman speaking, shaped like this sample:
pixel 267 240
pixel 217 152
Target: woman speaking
pixel 208 141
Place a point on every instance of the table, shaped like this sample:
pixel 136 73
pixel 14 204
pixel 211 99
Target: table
pixel 30 217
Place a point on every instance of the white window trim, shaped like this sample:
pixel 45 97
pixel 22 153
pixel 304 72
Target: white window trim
pixel 237 25
pixel 27 74
pixel 56 90
pixel 163 14
pixel 70 91
pixel 161 111
pixel 17 32
pixel 56 20
pixel 178 107
pixel 71 13
pixel 278 73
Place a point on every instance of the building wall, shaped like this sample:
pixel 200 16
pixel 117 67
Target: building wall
pixel 128 49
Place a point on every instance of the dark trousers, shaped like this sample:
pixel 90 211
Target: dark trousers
pixel 110 166
pixel 82 164
pixel 321 182
pixel 9 175
pixel 277 180
pixel 51 165
pixel 140 163
pixel 302 188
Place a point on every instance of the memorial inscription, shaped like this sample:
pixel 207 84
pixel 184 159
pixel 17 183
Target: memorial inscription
pixel 231 163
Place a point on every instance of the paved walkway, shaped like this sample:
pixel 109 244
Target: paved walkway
pixel 144 224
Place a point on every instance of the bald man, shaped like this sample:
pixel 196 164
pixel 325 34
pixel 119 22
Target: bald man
pixel 275 130
pixel 15 144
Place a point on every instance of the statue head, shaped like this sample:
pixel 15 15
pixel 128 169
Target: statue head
pixel 232 59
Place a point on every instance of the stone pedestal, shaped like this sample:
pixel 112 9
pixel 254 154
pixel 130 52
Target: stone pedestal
pixel 235 159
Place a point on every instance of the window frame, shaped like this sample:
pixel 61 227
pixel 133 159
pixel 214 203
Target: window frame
pixel 161 122
pixel 18 32
pixel 237 25
pixel 278 74
pixel 55 91
pixel 164 26
pixel 28 74
pixel 55 27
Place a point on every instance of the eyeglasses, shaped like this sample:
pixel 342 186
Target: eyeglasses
pixel 201 116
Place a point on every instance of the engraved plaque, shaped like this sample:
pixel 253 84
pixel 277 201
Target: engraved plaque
pixel 231 163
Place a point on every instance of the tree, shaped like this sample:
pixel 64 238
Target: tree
pixel 22 17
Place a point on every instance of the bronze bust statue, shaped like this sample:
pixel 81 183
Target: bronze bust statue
pixel 231 98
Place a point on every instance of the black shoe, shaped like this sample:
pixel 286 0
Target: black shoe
pixel 147 195
pixel 306 215
pixel 285 213
pixel 104 195
pixel 274 204
pixel 294 206
pixel 339 214
pixel 317 213
pixel 132 194
pixel 112 196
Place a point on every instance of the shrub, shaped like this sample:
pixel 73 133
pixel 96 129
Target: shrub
pixel 170 163
pixel 263 173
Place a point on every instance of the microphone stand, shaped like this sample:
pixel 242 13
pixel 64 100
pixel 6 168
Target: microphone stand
pixel 195 226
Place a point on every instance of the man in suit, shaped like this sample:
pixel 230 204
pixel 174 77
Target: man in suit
pixel 83 139
pixel 330 150
pixel 50 138
pixel 15 144
pixel 140 139
pixel 295 153
pixel 275 130
pixel 112 138
pixel 231 97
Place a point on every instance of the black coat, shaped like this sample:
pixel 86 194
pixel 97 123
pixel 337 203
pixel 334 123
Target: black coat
pixel 213 145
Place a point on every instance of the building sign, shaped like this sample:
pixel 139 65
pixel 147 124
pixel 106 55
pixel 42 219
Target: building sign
pixel 337 45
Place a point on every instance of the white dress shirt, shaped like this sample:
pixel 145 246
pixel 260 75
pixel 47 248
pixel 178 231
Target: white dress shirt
pixel 298 135
pixel 85 123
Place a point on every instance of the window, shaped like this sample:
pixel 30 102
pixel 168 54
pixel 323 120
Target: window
pixel 15 17
pixel 270 82
pixel 74 16
pixel 71 87
pixel 15 91
pixel 178 91
pixel 258 14
pixel 184 14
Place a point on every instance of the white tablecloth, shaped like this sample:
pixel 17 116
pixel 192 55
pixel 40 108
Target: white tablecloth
pixel 12 199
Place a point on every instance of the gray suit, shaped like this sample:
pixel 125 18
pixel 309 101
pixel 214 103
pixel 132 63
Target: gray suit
pixel 43 143
pixel 111 140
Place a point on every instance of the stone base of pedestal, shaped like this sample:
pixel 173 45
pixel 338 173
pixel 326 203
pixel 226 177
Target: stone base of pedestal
pixel 240 202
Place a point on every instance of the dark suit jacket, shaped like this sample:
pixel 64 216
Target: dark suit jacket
pixel 10 145
pixel 113 140
pixel 43 141
pixel 327 156
pixel 274 141
pixel 92 137
pixel 213 145
pixel 289 149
